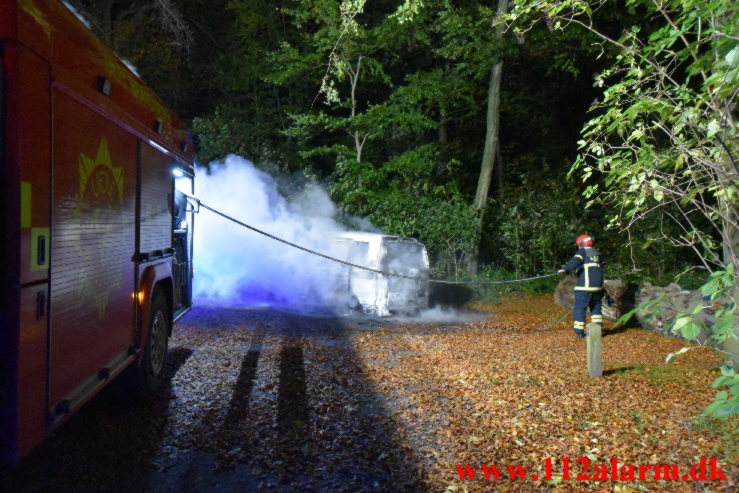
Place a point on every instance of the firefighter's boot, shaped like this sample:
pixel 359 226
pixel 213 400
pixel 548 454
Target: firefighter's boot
pixel 579 329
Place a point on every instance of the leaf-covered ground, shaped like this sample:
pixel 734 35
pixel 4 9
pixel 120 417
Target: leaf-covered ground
pixel 504 392
pixel 259 400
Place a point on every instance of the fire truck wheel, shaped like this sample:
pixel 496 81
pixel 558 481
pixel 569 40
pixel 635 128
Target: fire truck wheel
pixel 155 350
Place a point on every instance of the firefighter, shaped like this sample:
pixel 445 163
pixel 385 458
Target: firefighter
pixel 589 288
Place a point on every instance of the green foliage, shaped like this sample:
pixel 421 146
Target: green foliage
pixel 726 402
pixel 720 291
pixel 441 219
pixel 394 121
pixel 496 293
pixel 663 137
pixel 220 134
pixel 727 432
pixel 536 227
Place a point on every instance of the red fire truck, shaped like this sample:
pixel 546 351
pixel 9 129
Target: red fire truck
pixel 96 239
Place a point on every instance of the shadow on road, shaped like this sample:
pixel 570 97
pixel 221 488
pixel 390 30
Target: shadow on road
pixel 106 446
pixel 300 413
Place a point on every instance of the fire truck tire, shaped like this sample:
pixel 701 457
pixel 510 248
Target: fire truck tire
pixel 151 369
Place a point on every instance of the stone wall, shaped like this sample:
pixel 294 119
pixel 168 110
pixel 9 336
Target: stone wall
pixel 674 300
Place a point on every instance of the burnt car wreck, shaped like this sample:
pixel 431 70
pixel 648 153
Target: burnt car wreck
pixel 378 294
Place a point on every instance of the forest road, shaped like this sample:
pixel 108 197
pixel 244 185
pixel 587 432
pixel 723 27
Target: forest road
pixel 254 400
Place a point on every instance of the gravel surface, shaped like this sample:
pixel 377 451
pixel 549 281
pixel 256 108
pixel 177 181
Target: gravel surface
pixel 255 399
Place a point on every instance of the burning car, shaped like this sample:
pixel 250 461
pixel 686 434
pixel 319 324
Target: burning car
pixel 379 294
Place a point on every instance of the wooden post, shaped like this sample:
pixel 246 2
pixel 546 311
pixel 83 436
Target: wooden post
pixel 595 358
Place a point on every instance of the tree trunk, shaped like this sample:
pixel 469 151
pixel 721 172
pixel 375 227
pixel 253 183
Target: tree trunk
pixel 499 157
pixel 354 79
pixel 731 232
pixel 731 251
pixel 491 138
pixel 443 135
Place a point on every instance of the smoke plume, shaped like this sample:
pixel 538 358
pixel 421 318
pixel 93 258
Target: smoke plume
pixel 238 267
pixel 235 266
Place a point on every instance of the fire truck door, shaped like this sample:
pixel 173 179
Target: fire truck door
pixel 183 238
pixel 93 241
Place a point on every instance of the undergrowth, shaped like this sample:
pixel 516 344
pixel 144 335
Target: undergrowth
pixel 727 430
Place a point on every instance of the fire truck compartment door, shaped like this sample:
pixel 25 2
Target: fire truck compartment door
pixel 93 241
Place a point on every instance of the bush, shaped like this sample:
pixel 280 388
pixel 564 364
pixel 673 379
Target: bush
pixel 534 230
pixel 496 292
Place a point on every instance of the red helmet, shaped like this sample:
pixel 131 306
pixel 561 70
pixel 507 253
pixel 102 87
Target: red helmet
pixel 584 241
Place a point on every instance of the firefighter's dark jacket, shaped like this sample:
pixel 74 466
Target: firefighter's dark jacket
pixel 587 263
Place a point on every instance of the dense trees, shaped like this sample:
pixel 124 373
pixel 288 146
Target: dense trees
pixel 387 104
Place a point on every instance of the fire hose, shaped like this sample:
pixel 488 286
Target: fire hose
pixel 357 266
pixel 555 323
pixel 200 204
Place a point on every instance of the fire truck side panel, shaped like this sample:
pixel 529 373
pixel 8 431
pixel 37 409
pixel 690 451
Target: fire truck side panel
pixel 32 368
pixel 27 19
pixel 27 139
pixel 156 203
pixel 32 122
pixel 157 188
pixel 93 224
pixel 7 21
pixel 10 266
pixel 83 63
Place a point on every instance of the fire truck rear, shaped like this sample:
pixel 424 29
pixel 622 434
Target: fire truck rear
pixel 96 239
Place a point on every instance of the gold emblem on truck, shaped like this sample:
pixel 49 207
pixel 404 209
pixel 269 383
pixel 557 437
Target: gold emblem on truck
pixel 101 183
pixel 101 201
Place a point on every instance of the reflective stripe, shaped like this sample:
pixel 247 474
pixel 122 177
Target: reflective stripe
pixel 591 264
pixel 585 288
pixel 579 256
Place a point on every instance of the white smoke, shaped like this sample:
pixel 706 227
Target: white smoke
pixel 236 266
pixel 443 315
